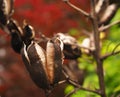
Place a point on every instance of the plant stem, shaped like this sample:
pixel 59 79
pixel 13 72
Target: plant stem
pixel 99 62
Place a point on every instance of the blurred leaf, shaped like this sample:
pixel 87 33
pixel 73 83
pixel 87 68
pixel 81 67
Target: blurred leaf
pixel 115 30
pixel 68 89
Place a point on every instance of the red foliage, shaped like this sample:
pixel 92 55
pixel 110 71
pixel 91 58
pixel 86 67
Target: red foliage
pixel 47 17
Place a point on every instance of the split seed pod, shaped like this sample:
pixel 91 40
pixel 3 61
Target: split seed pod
pixel 45 68
pixel 6 9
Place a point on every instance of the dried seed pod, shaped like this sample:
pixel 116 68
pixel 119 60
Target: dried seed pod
pixel 34 59
pixel 54 60
pixel 108 14
pixel 6 9
pixel 71 49
pixel 16 33
pixel 13 25
pixel 106 10
pixel 29 33
pixel 45 68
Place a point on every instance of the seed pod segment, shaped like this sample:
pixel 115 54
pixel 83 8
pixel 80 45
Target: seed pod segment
pixel 16 33
pixel 71 49
pixel 54 60
pixel 34 59
pixel 29 33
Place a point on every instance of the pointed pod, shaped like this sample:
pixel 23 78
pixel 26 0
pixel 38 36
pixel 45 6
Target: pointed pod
pixel 34 59
pixel 29 33
pixel 54 60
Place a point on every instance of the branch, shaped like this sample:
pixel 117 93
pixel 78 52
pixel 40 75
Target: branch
pixel 78 9
pixel 102 28
pixel 99 62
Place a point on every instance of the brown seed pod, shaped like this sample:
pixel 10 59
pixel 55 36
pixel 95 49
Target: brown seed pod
pixel 34 59
pixel 45 68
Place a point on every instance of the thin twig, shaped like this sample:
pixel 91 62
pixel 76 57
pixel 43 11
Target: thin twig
pixel 77 86
pixel 102 28
pixel 82 88
pixel 116 47
pixel 112 53
pixel 72 92
pixel 109 54
pixel 78 9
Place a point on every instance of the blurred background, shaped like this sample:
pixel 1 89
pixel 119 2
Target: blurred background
pixel 50 17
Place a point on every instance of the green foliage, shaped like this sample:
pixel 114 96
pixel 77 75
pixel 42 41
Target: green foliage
pixel 112 72
pixel 112 64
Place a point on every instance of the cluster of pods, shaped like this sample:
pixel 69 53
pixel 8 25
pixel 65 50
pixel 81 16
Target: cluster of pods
pixel 43 65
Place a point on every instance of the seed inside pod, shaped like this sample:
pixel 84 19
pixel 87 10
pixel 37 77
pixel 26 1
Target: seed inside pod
pixel 54 60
